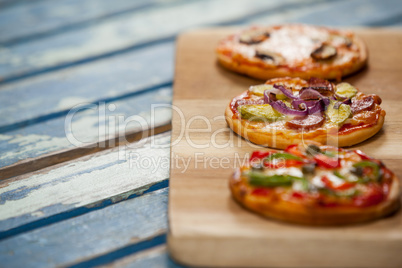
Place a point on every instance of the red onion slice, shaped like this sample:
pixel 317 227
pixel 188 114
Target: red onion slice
pixel 308 103
pixel 326 101
pixel 318 107
pixel 270 95
pixel 313 106
pixel 311 94
pixel 337 104
pixel 285 91
pixel 338 97
pixel 281 107
pixel 347 101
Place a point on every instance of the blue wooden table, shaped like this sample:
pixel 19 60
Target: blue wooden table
pixel 81 84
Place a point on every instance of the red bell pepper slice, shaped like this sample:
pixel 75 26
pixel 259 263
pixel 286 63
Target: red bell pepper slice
pixel 373 197
pixel 261 191
pixel 299 195
pixel 327 162
pixel 259 155
pixel 329 184
pixel 362 155
pixel 294 149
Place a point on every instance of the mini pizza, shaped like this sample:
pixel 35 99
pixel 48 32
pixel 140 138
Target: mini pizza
pixel 316 185
pixel 293 50
pixel 285 111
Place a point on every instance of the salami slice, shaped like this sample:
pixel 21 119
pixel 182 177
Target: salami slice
pixel 306 123
pixel 376 98
pixel 323 86
pixel 291 109
pixel 365 104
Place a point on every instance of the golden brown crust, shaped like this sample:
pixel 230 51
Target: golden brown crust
pixel 325 71
pixel 282 138
pixel 313 215
pixel 356 129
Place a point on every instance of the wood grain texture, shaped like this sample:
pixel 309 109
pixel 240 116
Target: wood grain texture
pixel 153 258
pixel 89 236
pixel 207 228
pixel 97 127
pixel 115 78
pixel 42 141
pixel 112 175
pixel 47 95
pixel 342 13
pixel 98 81
pixel 37 18
pixel 124 32
pixel 128 75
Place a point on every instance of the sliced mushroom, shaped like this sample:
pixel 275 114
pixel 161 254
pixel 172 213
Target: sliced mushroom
pixel 253 37
pixel 269 56
pixel 347 41
pixel 341 40
pixel 324 52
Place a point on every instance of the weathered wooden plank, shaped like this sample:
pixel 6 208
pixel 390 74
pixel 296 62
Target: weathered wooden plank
pixel 114 230
pixel 99 122
pixel 208 228
pixel 124 32
pixel 342 13
pixel 8 3
pixel 38 18
pixel 30 121
pixel 119 76
pixel 49 106
pixel 151 258
pixel 44 144
pixel 112 175
pixel 71 92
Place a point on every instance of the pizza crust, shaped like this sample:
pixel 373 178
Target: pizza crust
pixel 313 215
pixel 282 138
pixel 328 71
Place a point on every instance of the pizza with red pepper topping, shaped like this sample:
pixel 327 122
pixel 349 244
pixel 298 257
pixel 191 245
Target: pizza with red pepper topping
pixel 293 50
pixel 285 111
pixel 318 185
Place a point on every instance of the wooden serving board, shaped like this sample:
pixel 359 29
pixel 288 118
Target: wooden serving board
pixel 208 228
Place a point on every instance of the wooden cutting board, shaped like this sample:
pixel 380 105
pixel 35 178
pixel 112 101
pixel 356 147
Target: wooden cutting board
pixel 208 228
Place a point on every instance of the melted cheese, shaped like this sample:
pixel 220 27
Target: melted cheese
pixel 292 171
pixel 294 43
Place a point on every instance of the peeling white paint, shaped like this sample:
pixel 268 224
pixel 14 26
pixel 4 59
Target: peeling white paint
pixel 127 30
pixel 34 142
pixel 70 102
pixel 5 137
pixel 94 180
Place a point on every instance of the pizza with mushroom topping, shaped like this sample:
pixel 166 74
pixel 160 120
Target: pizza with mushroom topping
pixel 285 111
pixel 293 50
pixel 317 185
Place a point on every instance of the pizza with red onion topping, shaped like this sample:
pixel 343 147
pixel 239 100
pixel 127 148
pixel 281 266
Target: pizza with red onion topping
pixel 285 111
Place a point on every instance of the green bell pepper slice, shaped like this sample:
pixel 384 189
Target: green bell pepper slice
pixel 285 156
pixel 374 166
pixel 261 179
